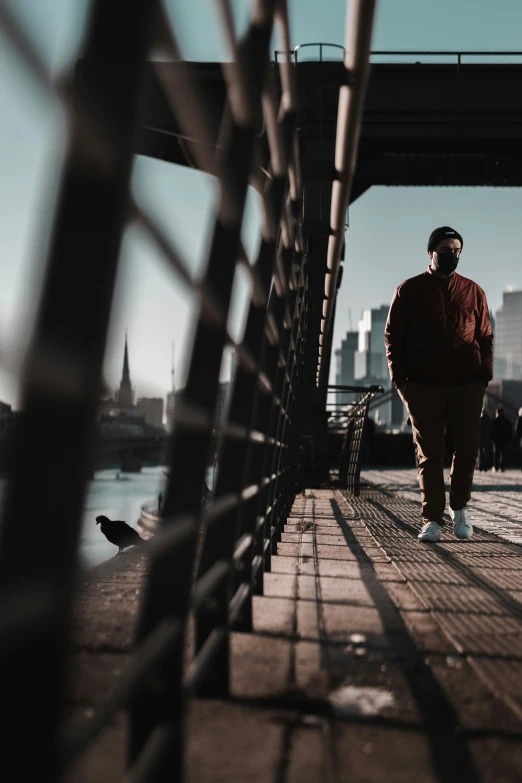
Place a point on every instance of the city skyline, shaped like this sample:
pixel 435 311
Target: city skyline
pixel 389 228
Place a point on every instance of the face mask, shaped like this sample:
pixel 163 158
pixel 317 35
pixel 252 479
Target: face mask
pixel 446 262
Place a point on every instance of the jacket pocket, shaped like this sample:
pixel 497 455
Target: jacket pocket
pixel 465 324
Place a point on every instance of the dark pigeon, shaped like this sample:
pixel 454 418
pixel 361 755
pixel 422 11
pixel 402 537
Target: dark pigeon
pixel 118 533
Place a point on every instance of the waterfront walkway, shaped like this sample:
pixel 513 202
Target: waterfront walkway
pixel 374 657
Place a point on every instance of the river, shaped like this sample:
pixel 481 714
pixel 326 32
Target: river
pixel 117 499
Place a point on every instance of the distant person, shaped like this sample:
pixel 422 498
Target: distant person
pixel 502 434
pixel 439 346
pixel 519 431
pixel 486 442
pixel 368 439
pixel 160 502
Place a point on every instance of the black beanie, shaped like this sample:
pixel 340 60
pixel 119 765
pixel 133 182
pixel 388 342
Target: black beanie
pixel 444 232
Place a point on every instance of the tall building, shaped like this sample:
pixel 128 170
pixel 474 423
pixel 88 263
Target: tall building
pixel 370 359
pixel 507 357
pixel 125 394
pixel 345 364
pixel 151 408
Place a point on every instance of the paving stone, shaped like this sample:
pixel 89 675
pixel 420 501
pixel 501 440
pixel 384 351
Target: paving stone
pixel 288 549
pixel 403 597
pixel 309 756
pixel 279 585
pixel 426 633
pixel 284 565
pixel 488 645
pixel 268 670
pixel 307 587
pixel 373 755
pixel 231 743
pixel 310 674
pixel 273 615
pixel 307 620
pixel 348 591
pixel 344 621
pixel 504 678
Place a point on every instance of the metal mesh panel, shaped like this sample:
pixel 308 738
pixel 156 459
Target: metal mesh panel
pixel 207 559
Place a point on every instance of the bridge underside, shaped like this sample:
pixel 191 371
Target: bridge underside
pixel 423 125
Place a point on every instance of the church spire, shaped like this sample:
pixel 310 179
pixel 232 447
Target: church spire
pixel 125 378
pixel 125 394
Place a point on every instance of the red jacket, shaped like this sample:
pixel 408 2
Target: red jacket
pixel 438 331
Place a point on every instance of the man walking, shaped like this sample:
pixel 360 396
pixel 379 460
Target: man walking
pixel 439 346
pixel 502 434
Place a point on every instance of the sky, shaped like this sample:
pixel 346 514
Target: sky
pixel 389 227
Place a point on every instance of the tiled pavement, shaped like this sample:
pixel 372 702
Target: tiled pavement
pixel 496 501
pixel 374 658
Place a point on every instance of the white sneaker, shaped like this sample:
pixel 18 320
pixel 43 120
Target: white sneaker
pixel 462 526
pixel 430 532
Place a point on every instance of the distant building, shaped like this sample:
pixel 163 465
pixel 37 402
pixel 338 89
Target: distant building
pixel 370 359
pixel 507 349
pixel 151 408
pixel 371 367
pixel 125 394
pixel 345 364
pixel 148 410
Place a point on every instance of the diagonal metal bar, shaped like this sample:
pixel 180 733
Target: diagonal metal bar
pixel 359 26
pixel 188 449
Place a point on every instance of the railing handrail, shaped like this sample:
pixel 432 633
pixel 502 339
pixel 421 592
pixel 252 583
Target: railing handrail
pixel 353 422
pixel 401 52
pixel 373 388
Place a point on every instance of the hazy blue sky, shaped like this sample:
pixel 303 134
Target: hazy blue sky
pixel 386 242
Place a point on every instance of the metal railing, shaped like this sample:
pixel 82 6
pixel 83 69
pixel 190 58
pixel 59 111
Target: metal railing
pixel 294 53
pixel 206 559
pixel 442 53
pixel 322 45
pixel 258 450
pixel 350 420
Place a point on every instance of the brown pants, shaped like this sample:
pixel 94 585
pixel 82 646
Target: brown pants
pixel 429 407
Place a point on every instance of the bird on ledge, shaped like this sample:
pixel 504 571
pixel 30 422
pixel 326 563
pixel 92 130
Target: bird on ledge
pixel 118 533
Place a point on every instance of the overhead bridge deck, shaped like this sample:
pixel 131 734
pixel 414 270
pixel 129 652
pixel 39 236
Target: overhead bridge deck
pixel 424 123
